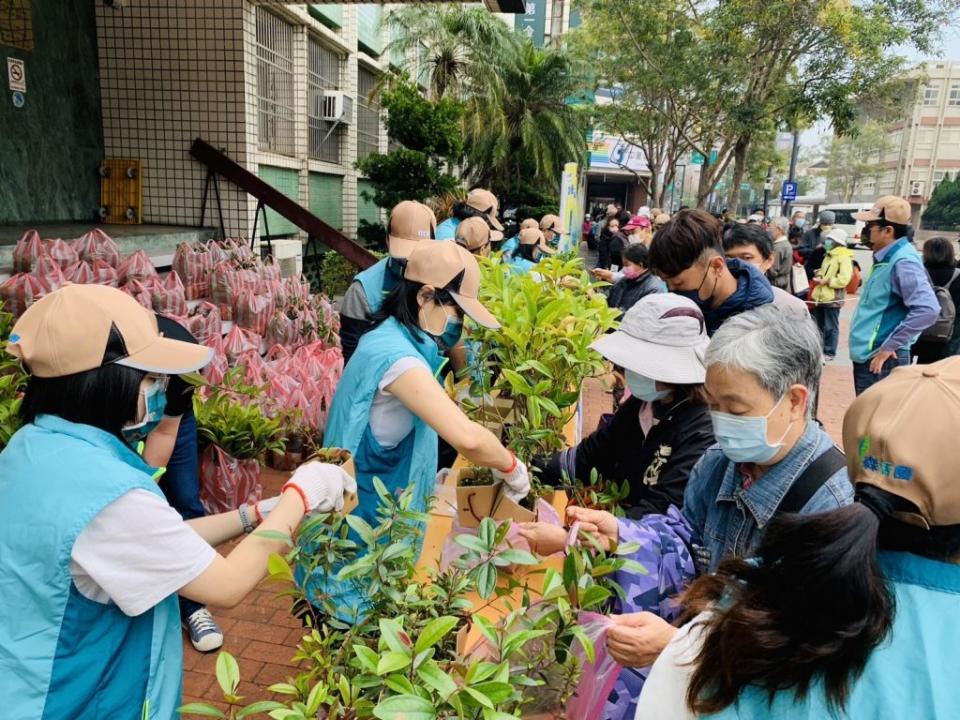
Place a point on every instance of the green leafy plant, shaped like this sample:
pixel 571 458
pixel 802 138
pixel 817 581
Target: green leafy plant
pixel 13 380
pixel 230 416
pixel 540 355
pixel 408 656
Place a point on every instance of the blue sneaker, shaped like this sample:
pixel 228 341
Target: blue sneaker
pixel 205 634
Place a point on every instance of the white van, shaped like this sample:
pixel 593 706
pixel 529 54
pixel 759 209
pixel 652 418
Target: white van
pixel 844 213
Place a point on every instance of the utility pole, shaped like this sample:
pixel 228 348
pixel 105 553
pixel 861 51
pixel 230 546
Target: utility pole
pixel 793 169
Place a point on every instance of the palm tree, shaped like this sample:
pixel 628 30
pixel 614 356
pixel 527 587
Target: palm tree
pixel 524 128
pixel 463 46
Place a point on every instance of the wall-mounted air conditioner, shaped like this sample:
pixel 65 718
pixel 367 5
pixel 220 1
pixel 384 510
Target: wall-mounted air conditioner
pixel 916 187
pixel 337 106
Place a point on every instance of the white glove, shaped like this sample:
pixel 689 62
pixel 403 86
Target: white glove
pixel 516 479
pixel 321 486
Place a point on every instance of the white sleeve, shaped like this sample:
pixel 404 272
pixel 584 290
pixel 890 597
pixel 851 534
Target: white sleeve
pixel 664 694
pixel 138 550
pixel 398 369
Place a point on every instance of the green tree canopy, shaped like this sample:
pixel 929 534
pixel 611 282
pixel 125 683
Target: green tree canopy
pixel 943 211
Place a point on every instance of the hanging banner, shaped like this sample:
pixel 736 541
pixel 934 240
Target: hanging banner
pixel 533 21
pixel 571 209
pixel 608 152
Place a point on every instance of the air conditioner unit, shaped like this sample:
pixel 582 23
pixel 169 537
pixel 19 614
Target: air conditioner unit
pixel 916 187
pixel 337 106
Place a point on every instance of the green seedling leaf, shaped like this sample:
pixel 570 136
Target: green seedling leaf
pixel 228 673
pixel 262 706
pixel 391 662
pixel 436 678
pixel 434 632
pixel 200 709
pixel 405 707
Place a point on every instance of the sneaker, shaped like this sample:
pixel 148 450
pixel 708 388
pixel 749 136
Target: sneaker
pixel 205 634
pixel 829 358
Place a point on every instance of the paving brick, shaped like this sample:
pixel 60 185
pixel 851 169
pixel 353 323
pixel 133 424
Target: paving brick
pixel 271 674
pixel 257 631
pixel 196 684
pixel 268 652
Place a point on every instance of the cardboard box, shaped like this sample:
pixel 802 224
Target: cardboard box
pixel 350 499
pixel 507 509
pixel 473 503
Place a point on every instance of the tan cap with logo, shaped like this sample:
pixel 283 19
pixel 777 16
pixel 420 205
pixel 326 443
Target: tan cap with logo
pixel 410 222
pixel 900 436
pixel 529 223
pixel 534 236
pixel 487 203
pixel 473 233
pixel 447 266
pixel 552 222
pixel 84 327
pixel 890 208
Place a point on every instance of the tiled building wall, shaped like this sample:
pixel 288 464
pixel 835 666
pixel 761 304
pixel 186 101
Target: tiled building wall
pixel 171 71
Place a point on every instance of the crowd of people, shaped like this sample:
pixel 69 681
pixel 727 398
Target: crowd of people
pixel 782 576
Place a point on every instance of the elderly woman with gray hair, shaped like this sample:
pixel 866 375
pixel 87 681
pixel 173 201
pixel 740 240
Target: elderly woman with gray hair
pixel 779 273
pixel 771 457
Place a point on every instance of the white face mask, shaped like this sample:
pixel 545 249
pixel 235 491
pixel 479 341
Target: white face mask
pixel 644 388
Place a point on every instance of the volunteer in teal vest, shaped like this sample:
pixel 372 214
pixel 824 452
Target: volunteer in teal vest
pixel 552 228
pixel 473 234
pixel 93 556
pixel 849 613
pixel 409 220
pixel 897 302
pixel 510 247
pixel 479 203
pixel 389 407
pixel 533 246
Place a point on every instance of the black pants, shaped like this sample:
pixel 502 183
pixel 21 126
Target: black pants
pixel 603 253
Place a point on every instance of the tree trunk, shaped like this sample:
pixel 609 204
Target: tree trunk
pixel 739 170
pixel 705 185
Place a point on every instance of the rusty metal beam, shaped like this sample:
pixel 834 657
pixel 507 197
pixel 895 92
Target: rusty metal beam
pixel 281 204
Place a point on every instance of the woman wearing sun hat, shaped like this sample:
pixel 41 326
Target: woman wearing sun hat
pixel 389 407
pixel 533 246
pixel 93 556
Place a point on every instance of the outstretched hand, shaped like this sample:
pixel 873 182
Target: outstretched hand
pixel 602 525
pixel 637 639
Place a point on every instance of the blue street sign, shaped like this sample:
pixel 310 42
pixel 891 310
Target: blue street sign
pixel 789 191
pixel 19 100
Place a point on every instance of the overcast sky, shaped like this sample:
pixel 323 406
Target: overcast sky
pixel 951 51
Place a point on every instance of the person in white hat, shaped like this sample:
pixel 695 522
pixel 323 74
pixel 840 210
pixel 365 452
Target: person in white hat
pixel 93 556
pixel 661 431
pixel 389 408
pixel 831 282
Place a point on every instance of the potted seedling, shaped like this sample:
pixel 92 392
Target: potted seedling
pixel 477 493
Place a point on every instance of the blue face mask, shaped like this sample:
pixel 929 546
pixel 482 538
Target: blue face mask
pixel 155 400
pixel 452 330
pixel 644 388
pixel 800 222
pixel 744 439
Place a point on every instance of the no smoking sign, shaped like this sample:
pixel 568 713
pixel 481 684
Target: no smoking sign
pixel 16 75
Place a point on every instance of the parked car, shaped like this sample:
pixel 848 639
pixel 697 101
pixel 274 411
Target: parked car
pixel 844 213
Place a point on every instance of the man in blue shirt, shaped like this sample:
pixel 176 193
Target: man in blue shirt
pixel 897 302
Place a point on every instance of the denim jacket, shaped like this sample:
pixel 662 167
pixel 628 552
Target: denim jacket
pixel 728 520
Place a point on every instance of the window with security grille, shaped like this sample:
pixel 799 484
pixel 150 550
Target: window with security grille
pixel 931 95
pixel 368 115
pixel 275 83
pixel 323 73
pixel 954 98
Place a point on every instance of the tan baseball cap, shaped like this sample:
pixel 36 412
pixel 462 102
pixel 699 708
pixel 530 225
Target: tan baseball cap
pixel 410 222
pixel 661 219
pixel 900 436
pixel 890 208
pixel 552 222
pixel 487 203
pixel 529 223
pixel 83 327
pixel 473 233
pixel 534 236
pixel 447 266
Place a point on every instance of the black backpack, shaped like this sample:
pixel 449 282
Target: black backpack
pixel 942 328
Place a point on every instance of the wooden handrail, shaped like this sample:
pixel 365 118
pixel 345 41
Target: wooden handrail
pixel 281 204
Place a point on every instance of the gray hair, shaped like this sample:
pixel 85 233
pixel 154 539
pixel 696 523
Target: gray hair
pixel 781 222
pixel 778 348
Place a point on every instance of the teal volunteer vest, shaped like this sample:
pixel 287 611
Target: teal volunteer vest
pixel 62 655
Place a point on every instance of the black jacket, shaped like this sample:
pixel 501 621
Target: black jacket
pixel 625 293
pixel 657 466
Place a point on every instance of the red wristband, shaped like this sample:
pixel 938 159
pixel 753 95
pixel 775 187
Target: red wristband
pixel 256 512
pixel 513 465
pixel 303 497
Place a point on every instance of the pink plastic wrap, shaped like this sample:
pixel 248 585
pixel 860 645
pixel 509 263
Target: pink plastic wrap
pixel 193 266
pixel 204 323
pixel 81 273
pixel 254 311
pixel 62 253
pixel 20 291
pixel 598 677
pixel 168 296
pixel 217 368
pixel 48 272
pixel 97 245
pixel 226 284
pixel 283 329
pixel 239 341
pixel 137 266
pixel 227 483
pixel 27 251
pixel 139 292
pixel 104 273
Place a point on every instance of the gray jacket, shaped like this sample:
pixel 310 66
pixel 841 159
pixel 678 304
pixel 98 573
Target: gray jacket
pixel 779 273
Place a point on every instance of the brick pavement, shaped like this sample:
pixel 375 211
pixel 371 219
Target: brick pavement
pixel 261 634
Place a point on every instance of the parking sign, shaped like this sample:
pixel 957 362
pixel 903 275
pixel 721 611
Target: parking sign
pixel 789 191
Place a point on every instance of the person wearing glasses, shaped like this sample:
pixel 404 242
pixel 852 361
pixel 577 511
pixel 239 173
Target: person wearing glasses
pixel 897 302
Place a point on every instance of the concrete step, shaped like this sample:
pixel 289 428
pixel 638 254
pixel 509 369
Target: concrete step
pixel 159 241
